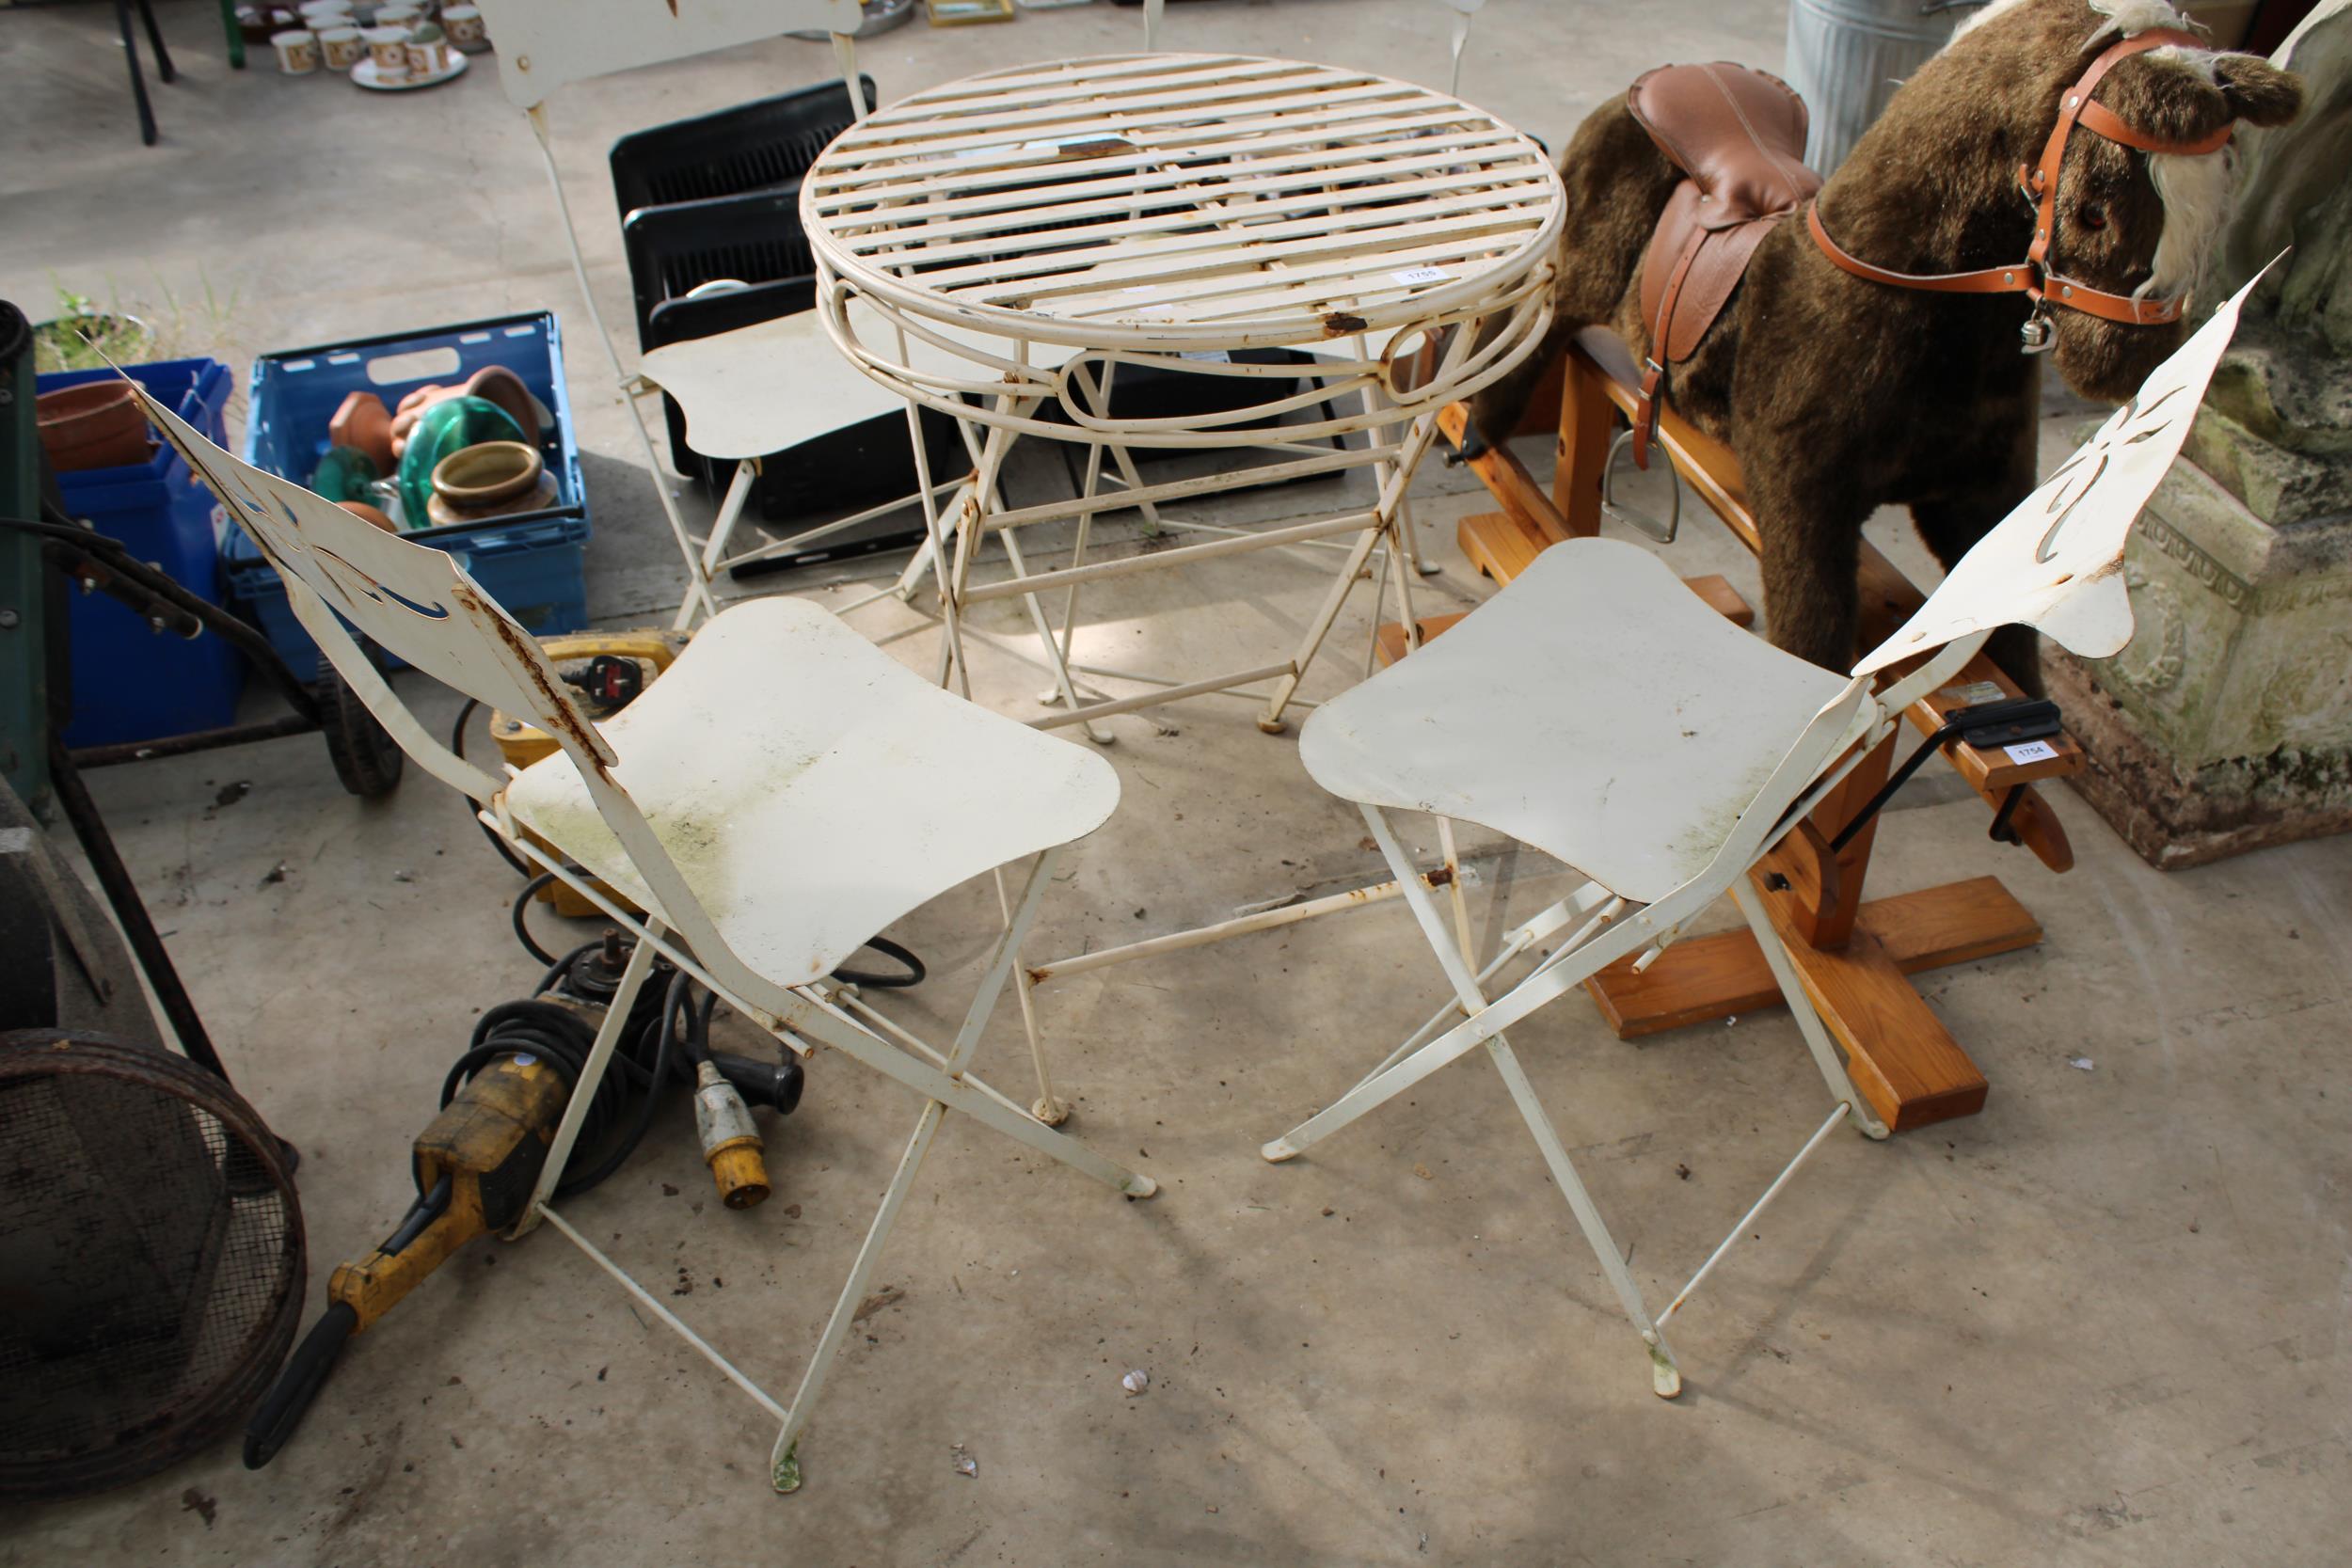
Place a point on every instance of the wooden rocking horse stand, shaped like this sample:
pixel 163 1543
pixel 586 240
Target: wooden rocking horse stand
pixel 1739 135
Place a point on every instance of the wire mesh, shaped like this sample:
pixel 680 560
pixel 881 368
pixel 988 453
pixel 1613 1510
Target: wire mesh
pixel 151 1261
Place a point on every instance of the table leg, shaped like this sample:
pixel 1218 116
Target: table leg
pixel 1424 428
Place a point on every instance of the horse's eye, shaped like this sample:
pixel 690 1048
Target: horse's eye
pixel 2093 214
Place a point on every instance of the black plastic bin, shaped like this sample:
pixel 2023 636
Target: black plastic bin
pixel 748 148
pixel 753 237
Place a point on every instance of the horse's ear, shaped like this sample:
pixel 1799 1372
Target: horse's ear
pixel 2257 91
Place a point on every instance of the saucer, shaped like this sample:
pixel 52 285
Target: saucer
pixel 364 74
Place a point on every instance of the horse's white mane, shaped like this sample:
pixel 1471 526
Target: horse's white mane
pixel 2124 18
pixel 2131 18
pixel 2196 192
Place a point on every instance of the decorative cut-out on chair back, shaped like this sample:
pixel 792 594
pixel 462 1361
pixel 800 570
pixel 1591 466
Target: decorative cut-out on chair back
pixel 415 601
pixel 2057 562
pixel 545 44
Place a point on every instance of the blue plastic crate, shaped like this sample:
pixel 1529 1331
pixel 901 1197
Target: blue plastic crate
pixel 535 569
pixel 129 683
pixel 534 562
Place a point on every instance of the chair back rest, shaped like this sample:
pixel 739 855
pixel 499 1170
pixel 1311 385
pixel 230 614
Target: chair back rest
pixel 422 605
pixel 1835 729
pixel 547 45
pixel 2057 562
pixel 417 602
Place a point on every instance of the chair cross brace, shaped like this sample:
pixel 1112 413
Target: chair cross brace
pixel 1603 938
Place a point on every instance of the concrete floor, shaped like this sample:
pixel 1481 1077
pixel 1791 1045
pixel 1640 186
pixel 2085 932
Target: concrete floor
pixel 2102 1322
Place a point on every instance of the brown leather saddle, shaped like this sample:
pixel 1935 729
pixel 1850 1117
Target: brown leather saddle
pixel 1739 135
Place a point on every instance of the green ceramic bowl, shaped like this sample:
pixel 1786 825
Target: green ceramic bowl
pixel 450 426
pixel 344 474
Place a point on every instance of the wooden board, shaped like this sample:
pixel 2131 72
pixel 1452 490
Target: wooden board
pixel 1707 978
pixel 1499 547
pixel 1990 771
pixel 1902 1057
pixel 1523 500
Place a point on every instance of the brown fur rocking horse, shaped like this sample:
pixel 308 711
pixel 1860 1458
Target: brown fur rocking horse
pixel 2049 180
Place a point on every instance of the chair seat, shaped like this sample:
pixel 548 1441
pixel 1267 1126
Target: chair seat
pixel 1596 708
pixel 812 790
pixel 771 385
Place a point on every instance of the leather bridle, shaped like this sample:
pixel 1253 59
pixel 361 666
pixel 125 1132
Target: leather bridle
pixel 2033 277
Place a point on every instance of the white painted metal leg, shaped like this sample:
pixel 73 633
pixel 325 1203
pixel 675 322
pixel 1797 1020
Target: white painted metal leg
pixel 784 1460
pixel 1665 1380
pixel 1665 1377
pixel 647 1299
pixel 1816 1038
pixel 739 492
pixel 1583 955
pixel 1049 1109
pixel 1755 1211
pixel 1099 733
pixel 698 583
pixel 1392 494
pixel 845 59
pixel 590 1074
pixel 955 580
pixel 1334 599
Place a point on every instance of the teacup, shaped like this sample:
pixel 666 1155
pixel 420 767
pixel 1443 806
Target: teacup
pixel 389 46
pixel 428 51
pixel 297 51
pixel 342 47
pixel 465 29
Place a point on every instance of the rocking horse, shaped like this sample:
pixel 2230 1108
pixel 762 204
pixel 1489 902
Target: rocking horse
pixel 1806 352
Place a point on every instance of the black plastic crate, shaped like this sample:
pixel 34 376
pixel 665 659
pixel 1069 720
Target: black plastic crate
pixel 748 148
pixel 753 237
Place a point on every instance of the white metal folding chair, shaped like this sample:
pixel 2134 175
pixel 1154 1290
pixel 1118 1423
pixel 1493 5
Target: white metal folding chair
pixel 745 393
pixel 736 803
pixel 1598 710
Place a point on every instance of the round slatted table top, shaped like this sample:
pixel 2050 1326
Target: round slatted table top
pixel 1157 200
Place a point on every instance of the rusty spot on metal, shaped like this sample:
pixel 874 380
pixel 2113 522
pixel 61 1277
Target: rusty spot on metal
pixel 558 713
pixel 1440 878
pixel 1039 976
pixel 1339 324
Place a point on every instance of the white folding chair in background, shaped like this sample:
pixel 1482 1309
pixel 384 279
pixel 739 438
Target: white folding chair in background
pixel 1596 710
pixel 736 802
pixel 747 393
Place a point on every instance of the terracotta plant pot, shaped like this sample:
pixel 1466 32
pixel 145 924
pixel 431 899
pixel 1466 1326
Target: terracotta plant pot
pixel 411 409
pixel 490 478
pixel 364 422
pixel 499 385
pixel 494 383
pixel 365 512
pixel 98 424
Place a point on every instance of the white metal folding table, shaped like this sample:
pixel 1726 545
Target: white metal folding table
pixel 1001 248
